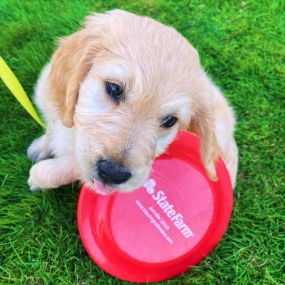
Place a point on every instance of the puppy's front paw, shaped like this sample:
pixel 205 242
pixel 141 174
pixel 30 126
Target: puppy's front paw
pixel 38 150
pixel 52 173
pixel 34 181
pixel 32 185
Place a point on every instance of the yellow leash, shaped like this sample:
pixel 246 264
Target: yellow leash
pixel 11 81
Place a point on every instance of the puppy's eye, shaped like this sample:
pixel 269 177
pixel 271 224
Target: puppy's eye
pixel 115 91
pixel 168 122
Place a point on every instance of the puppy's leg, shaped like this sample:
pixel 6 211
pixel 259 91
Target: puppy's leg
pixel 39 149
pixel 52 173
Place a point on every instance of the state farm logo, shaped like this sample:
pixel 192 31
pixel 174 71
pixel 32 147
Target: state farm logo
pixel 161 199
pixel 149 186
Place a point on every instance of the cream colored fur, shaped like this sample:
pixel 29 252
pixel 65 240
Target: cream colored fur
pixel 161 75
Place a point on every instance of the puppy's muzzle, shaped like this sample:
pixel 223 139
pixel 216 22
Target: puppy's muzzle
pixel 111 172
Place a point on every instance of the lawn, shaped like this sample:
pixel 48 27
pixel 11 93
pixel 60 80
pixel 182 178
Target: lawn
pixel 242 47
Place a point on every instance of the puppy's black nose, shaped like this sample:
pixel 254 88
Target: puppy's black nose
pixel 111 172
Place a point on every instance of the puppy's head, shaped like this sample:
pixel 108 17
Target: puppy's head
pixel 127 84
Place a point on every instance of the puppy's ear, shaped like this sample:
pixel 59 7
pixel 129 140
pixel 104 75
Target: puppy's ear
pixel 202 124
pixel 69 66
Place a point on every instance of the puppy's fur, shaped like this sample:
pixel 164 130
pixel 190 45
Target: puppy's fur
pixel 161 75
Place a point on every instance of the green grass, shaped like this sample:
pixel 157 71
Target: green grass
pixel 241 45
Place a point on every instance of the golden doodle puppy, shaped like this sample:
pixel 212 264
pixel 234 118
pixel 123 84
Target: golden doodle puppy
pixel 114 96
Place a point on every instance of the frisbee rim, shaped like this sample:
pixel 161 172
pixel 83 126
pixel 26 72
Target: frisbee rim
pixel 154 272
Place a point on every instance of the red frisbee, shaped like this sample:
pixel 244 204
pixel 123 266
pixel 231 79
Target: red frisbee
pixel 164 227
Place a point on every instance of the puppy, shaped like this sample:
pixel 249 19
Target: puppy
pixel 114 96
